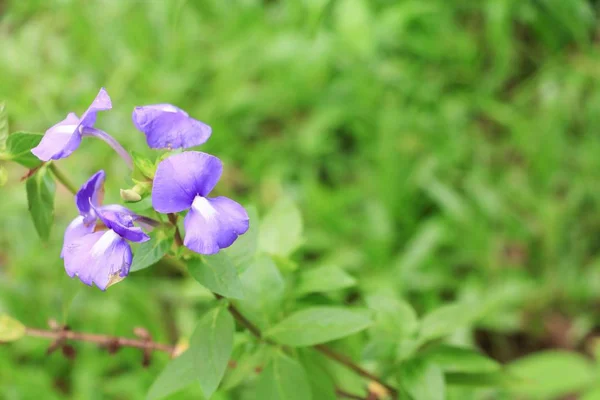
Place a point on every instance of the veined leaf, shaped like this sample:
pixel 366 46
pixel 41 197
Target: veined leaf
pixel 318 325
pixel 150 252
pixel 218 274
pixel 18 148
pixel 283 379
pixel 40 197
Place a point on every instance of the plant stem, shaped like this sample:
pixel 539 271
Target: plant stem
pixel 113 342
pixel 326 351
pixel 173 220
pixel 62 178
pixel 344 360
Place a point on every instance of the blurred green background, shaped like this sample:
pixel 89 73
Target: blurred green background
pixel 440 150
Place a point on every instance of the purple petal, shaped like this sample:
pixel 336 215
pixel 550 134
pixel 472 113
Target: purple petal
pixel 213 224
pixel 182 177
pixel 101 103
pixel 100 258
pixel 60 140
pixel 121 222
pixel 90 193
pixel 75 231
pixel 169 127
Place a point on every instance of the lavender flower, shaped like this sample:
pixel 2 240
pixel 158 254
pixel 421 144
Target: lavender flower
pixel 98 253
pixel 182 182
pixel 64 138
pixel 169 127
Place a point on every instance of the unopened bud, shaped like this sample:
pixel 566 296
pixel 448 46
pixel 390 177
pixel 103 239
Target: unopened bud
pixel 130 195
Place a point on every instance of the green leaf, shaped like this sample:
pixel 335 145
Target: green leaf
pixel 218 274
pixel 485 379
pixel 593 394
pixel 18 148
pixel 552 374
pixel 324 279
pixel 212 344
pixel 243 250
pixel 422 380
pixel 281 229
pixel 321 382
pixel 143 166
pixel 445 320
pixel 395 324
pixel 178 374
pixel 141 206
pixel 10 329
pixel 150 252
pixel 40 197
pixel 283 379
pixel 460 359
pixel 3 175
pixel 263 291
pixel 3 125
pixel 318 325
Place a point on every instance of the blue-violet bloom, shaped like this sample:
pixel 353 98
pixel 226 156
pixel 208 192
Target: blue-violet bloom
pixel 65 137
pixel 169 127
pixel 182 182
pixel 95 245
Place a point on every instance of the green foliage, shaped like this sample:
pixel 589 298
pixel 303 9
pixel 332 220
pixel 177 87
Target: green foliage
pixel 178 374
pixel 423 380
pixel 205 360
pixel 460 360
pixel 211 344
pixel 281 229
pixel 283 379
pixel 40 199
pixel 3 125
pixel 218 274
pixel 318 325
pixel 324 279
pixel 18 148
pixel 443 157
pixel 10 329
pixel 152 251
pixel 551 374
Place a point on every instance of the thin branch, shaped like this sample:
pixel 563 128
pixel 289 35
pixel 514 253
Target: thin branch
pixel 343 394
pixel 345 360
pixel 340 358
pixel 173 220
pixel 62 178
pixel 110 342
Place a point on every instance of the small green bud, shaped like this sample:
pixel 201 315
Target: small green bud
pixel 130 195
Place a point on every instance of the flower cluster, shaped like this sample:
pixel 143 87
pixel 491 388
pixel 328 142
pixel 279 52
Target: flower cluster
pixel 96 244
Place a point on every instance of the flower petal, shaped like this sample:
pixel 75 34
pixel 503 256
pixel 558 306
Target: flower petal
pixel 182 177
pixel 213 224
pixel 169 127
pixel 75 231
pixel 101 103
pixel 90 193
pixel 60 140
pixel 100 258
pixel 121 222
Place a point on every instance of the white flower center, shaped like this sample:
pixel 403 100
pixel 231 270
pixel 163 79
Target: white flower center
pixel 203 206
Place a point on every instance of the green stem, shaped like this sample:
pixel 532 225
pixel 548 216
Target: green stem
pixel 62 178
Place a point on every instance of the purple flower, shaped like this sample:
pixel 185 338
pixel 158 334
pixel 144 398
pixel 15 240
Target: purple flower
pixel 182 182
pixel 169 127
pixel 95 245
pixel 64 138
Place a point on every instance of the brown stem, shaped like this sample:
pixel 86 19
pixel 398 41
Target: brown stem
pixel 344 360
pixel 343 394
pixel 103 340
pixel 340 358
pixel 173 220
